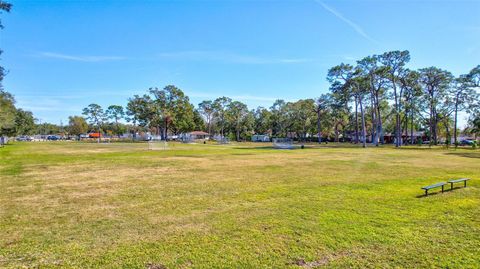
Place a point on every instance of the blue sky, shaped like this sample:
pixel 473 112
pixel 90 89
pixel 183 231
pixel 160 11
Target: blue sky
pixel 64 55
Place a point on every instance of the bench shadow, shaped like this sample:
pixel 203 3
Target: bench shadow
pixel 475 155
pixel 429 194
pixel 458 187
pixel 439 192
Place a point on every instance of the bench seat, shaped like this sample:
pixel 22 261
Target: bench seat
pixel 427 188
pixel 464 180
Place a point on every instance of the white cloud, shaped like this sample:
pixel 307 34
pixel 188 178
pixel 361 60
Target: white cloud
pixel 43 103
pixel 79 58
pixel 350 23
pixel 228 57
pixel 189 55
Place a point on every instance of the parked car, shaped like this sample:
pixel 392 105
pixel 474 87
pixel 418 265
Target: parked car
pixel 23 138
pixel 466 142
pixel 53 138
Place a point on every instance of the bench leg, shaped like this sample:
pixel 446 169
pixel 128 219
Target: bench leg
pixel 465 184
pixel 442 188
pixel 451 186
pixel 426 192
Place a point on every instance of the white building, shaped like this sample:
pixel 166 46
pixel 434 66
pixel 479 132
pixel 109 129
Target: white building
pixel 260 138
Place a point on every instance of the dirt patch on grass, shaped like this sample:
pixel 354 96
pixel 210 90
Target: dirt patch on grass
pixel 312 264
pixel 155 266
pixel 325 260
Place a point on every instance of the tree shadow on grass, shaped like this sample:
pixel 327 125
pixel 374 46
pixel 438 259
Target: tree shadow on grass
pixel 475 155
pixel 254 148
pixel 418 148
pixel 296 147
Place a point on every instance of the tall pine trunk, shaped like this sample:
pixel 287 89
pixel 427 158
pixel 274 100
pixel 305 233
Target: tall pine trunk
pixel 374 123
pixel 336 132
pixel 319 127
pixel 222 128
pixel 455 122
pixel 364 133
pixel 397 114
pixel 448 139
pixel 209 126
pixel 134 136
pixel 432 115
pixel 435 126
pixel 379 120
pixel 356 120
pixel 99 134
pixel 411 127
pixel 238 132
pixel 165 132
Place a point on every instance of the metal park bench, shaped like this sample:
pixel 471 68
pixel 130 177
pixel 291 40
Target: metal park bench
pixel 464 180
pixel 427 188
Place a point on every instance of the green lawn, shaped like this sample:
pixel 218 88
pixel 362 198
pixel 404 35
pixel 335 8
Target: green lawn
pixel 79 205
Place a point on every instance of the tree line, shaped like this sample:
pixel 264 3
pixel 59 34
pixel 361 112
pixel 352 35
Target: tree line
pixel 378 95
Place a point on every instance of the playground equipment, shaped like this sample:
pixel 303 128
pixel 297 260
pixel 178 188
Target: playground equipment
pixel 283 143
pixel 156 143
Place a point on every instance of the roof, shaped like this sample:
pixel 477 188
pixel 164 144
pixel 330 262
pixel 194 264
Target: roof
pixel 199 133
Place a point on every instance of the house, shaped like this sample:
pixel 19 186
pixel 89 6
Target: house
pixel 199 135
pixel 406 137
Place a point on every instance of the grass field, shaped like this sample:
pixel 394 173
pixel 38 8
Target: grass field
pixel 78 205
